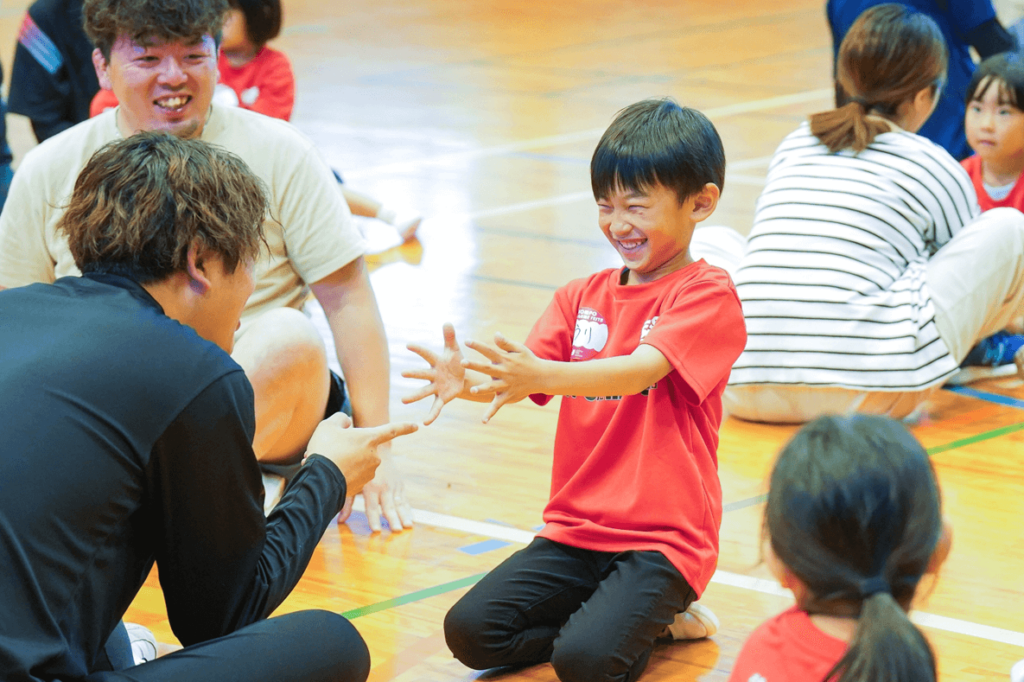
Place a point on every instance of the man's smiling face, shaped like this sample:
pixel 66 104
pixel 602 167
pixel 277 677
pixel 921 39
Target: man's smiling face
pixel 161 85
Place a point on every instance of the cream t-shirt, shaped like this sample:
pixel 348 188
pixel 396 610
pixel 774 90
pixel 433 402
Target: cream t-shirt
pixel 310 230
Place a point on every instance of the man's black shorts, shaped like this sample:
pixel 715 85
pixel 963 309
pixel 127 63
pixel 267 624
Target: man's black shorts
pixel 337 398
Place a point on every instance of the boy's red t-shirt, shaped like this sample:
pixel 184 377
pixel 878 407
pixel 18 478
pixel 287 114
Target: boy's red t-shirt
pixel 640 472
pixel 265 85
pixel 1015 199
pixel 787 648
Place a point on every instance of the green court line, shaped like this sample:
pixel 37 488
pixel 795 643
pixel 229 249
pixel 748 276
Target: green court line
pixel 413 596
pixel 473 579
pixel 938 449
pixel 988 435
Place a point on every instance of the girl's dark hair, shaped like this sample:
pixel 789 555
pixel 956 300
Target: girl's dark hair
pixel 891 53
pixel 1006 72
pixel 141 203
pixel 262 19
pixel 854 512
pixel 658 142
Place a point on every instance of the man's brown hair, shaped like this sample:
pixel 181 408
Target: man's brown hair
pixel 145 20
pixel 139 205
pixel 891 53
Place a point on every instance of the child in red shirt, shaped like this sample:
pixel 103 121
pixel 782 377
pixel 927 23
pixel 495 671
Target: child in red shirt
pixel 853 522
pixel 995 130
pixel 994 124
pixel 260 76
pixel 640 355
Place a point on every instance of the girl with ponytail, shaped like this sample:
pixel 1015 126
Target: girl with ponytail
pixel 853 522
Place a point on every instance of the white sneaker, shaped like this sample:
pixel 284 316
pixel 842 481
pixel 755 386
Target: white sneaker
pixel 405 222
pixel 1017 672
pixel 696 622
pixel 973 373
pixel 143 643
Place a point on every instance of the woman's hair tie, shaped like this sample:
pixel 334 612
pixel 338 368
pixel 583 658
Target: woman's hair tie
pixel 861 101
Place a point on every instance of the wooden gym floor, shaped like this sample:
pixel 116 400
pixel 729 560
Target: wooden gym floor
pixel 483 116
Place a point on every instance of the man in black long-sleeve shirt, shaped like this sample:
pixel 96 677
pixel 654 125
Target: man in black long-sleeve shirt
pixel 127 433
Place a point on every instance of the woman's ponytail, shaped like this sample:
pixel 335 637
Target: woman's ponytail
pixel 891 53
pixel 847 127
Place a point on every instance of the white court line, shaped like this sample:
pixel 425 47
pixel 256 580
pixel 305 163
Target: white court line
pixel 573 197
pixel 581 136
pixel 751 180
pixel 522 206
pixel 746 164
pixel 745 582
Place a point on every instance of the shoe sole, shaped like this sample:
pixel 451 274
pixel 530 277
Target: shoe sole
pixel 706 617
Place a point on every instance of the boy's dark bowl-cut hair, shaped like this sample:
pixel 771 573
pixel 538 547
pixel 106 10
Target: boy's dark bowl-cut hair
pixel 1005 69
pixel 139 205
pixel 658 142
pixel 145 20
pixel 262 19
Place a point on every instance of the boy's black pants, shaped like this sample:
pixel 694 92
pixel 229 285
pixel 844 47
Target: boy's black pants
pixel 594 615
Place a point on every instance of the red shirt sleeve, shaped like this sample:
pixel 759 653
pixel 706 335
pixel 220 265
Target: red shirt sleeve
pixel 552 334
pixel 701 334
pixel 104 99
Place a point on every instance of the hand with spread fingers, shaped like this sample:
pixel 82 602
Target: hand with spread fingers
pixel 514 371
pixel 385 496
pixel 446 375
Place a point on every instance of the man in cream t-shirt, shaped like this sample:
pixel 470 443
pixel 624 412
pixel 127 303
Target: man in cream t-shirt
pixel 164 75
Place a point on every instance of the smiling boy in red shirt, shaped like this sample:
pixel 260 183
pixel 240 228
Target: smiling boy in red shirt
pixel 641 355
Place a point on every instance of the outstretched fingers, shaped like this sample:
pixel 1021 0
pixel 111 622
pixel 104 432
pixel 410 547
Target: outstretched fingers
pixel 388 432
pixel 507 345
pixel 430 356
pixel 490 352
pixel 424 392
pixel 448 331
pixel 494 406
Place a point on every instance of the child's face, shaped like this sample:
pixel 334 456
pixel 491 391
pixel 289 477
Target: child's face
pixel 651 230
pixel 995 128
pixel 235 35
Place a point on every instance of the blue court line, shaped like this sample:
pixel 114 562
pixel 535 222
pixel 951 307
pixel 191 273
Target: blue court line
pixel 989 397
pixel 478 548
pixel 743 504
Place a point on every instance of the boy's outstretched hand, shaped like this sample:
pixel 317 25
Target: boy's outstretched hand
pixel 447 374
pixel 514 370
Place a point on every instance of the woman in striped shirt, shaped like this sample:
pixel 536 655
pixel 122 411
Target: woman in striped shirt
pixel 870 273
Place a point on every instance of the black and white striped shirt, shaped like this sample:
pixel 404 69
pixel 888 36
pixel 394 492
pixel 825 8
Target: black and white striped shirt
pixel 833 279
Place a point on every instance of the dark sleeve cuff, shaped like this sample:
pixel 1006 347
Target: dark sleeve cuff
pixel 335 471
pixel 991 38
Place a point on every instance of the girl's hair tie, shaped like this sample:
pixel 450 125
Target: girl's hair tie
pixel 873 586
